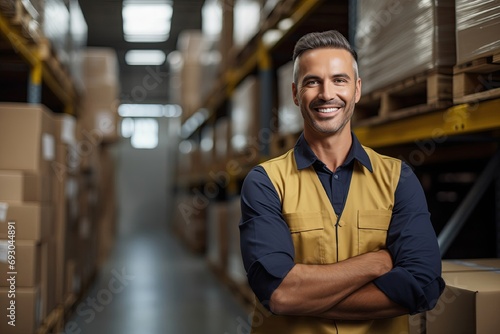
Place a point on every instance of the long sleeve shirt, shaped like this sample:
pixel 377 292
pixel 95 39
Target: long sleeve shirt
pixel 268 253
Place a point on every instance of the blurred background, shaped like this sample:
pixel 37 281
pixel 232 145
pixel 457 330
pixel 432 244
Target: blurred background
pixel 128 126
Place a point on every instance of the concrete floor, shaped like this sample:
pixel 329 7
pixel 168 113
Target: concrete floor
pixel 153 285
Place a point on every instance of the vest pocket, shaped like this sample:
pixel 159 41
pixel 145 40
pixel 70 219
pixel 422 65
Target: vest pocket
pixel 306 229
pixel 372 229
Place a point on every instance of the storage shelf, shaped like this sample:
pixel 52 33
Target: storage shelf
pixel 256 57
pixel 44 67
pixel 457 120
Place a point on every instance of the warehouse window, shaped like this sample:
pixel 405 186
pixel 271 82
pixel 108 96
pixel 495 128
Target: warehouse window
pixel 140 122
pixel 127 127
pixel 145 133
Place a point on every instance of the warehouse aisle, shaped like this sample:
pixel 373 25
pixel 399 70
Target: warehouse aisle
pixel 151 283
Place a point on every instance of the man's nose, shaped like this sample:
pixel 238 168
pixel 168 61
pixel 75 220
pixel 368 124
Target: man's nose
pixel 327 92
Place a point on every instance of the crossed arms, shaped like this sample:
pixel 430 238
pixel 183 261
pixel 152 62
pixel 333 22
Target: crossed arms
pixel 343 290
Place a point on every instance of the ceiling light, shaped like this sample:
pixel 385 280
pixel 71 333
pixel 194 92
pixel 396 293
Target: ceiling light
pixel 147 20
pixel 145 57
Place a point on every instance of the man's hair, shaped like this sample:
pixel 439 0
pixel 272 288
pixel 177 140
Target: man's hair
pixel 326 39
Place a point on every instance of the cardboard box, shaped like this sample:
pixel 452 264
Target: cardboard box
pixel 90 142
pixel 100 64
pixel 245 116
pixel 27 140
pixel 68 149
pixel 33 221
pixel 48 277
pixel 25 187
pixel 65 129
pixel 27 311
pixel 99 105
pixel 27 263
pixel 101 121
pixel 470 265
pixel 65 224
pixel 191 76
pixel 486 264
pixel 469 304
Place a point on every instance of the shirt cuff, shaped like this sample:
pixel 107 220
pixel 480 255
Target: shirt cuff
pixel 267 273
pixel 402 288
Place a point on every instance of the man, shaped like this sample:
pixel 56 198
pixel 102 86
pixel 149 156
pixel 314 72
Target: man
pixel 336 238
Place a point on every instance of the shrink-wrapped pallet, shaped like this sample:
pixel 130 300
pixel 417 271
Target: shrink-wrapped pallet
pixel 478 28
pixel 397 39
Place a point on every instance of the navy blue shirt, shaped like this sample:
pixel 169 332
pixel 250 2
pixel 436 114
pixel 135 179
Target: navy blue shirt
pixel 268 253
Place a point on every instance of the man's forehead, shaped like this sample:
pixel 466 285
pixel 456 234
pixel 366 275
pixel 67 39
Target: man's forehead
pixel 329 57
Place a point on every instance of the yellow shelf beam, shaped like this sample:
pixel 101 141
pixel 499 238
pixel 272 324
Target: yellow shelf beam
pixel 34 54
pixel 456 120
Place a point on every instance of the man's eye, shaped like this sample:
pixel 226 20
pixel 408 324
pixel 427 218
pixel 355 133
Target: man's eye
pixel 311 82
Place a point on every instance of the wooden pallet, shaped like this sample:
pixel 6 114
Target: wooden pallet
pixel 477 80
pixel 421 93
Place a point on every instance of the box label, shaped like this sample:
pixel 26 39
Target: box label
pixel 3 212
pixel 3 250
pixel 48 147
pixel 68 130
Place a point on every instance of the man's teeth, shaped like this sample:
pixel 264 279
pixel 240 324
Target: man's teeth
pixel 327 110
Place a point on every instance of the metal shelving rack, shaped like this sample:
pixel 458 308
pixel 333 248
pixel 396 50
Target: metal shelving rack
pixel 43 65
pixel 460 122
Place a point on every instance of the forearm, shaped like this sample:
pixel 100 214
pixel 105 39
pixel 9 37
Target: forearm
pixel 368 302
pixel 315 289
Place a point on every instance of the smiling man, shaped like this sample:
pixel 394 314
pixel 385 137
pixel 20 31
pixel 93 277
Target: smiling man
pixel 335 237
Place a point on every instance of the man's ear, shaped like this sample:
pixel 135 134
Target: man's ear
pixel 358 90
pixel 294 93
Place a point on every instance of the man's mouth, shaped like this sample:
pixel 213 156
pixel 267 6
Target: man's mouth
pixel 327 110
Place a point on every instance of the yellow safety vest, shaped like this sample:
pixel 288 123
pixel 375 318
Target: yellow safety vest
pixel 318 239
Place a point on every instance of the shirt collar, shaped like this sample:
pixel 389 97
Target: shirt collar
pixel 305 157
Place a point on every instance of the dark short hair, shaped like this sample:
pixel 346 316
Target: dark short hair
pixel 325 39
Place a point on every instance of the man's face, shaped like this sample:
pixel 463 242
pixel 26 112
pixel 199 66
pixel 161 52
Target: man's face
pixel 326 90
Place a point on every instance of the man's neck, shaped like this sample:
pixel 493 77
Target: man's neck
pixel 331 150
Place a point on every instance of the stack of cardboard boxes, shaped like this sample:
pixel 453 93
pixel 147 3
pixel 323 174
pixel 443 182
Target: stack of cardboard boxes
pixel 97 131
pixel 469 303
pixel 57 201
pixel 27 243
pixel 65 190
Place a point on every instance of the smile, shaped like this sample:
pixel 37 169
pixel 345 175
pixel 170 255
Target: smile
pixel 327 110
